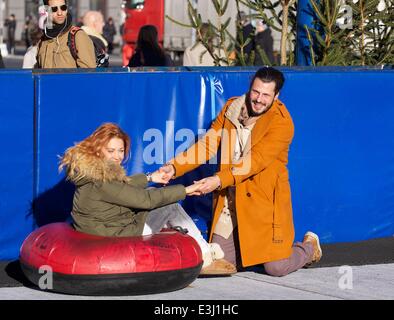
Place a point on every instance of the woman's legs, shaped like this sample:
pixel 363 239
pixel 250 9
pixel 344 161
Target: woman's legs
pixel 174 215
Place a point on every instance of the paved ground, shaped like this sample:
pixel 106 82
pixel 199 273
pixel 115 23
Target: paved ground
pixel 375 282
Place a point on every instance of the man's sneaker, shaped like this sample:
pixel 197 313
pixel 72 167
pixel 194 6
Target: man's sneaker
pixel 220 267
pixel 317 252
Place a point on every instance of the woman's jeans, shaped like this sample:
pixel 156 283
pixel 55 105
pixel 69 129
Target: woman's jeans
pixel 173 215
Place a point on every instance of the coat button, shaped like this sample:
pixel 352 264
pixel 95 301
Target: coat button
pixel 248 194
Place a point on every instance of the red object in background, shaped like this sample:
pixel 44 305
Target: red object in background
pixel 127 52
pixel 138 14
pixel 71 252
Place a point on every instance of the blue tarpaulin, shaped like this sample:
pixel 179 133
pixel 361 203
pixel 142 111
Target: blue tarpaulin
pixel 341 161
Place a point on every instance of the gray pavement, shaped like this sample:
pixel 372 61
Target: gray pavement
pixel 372 282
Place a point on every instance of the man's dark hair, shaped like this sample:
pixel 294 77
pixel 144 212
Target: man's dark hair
pixel 269 74
pixel 46 2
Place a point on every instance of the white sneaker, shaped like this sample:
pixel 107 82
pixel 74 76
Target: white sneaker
pixel 216 251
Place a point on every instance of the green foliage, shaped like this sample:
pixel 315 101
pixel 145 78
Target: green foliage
pixel 352 32
pixel 359 35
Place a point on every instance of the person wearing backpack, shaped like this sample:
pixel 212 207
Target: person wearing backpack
pixel 54 47
pixel 93 23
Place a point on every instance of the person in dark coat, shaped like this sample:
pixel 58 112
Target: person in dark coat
pixel 247 33
pixel 109 33
pixel 263 41
pixel 29 25
pixel 148 52
pixel 10 23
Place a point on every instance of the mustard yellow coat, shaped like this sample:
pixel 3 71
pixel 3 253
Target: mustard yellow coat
pixel 261 179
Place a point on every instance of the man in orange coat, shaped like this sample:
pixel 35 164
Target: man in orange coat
pixel 253 220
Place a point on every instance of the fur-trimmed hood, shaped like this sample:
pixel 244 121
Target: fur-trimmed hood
pixel 83 168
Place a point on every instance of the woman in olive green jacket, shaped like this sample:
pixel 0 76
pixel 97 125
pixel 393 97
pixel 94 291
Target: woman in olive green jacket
pixel 107 202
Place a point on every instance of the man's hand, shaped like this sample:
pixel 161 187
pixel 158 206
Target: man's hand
pixel 157 177
pixel 167 172
pixel 207 185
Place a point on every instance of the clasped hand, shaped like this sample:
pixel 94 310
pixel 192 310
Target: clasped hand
pixel 203 186
pixel 198 188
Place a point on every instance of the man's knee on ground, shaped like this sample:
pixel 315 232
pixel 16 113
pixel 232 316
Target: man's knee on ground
pixel 274 269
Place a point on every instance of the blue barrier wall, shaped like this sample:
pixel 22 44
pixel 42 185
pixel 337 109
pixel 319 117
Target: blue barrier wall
pixel 342 157
pixel 341 160
pixel 152 108
pixel 16 160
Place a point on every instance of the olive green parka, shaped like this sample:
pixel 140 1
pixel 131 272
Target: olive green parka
pixel 107 202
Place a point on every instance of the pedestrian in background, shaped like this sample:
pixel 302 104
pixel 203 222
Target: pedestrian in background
pixel 29 25
pixel 247 32
pixel 53 49
pixel 148 52
pixel 10 23
pixel 30 57
pixel 93 23
pixel 198 55
pixel 109 32
pixel 1 61
pixel 264 43
pixel 121 32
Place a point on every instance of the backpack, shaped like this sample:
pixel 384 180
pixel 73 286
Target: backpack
pixel 102 58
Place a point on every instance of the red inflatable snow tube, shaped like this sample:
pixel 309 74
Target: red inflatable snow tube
pixel 93 265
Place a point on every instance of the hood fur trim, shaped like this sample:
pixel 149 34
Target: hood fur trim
pixel 85 167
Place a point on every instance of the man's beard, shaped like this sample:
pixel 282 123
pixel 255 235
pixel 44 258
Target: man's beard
pixel 251 112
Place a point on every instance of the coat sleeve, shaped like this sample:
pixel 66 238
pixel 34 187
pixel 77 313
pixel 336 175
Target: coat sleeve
pixel 138 180
pixel 261 155
pixel 204 149
pixel 125 195
pixel 86 55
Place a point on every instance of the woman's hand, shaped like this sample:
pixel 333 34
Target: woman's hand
pixel 193 190
pixel 158 177
pixel 168 171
